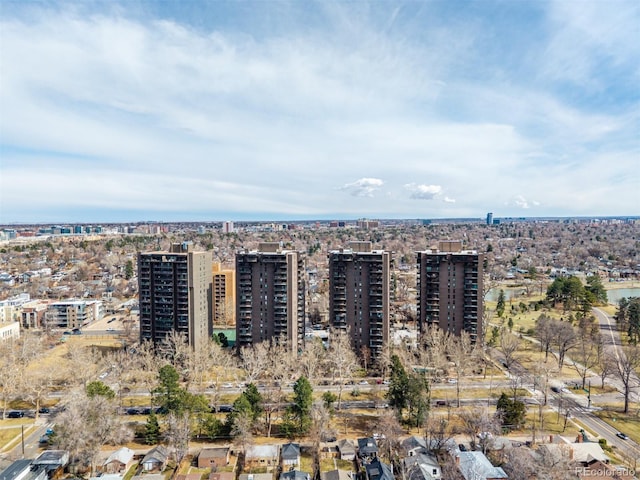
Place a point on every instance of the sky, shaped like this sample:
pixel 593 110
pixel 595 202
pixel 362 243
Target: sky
pixel 255 110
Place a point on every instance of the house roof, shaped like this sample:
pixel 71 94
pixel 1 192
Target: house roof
pixel 290 451
pixel 367 445
pixel 421 466
pixel 222 476
pixel 413 443
pixel 214 452
pixel 158 453
pixel 52 457
pixel 295 475
pixel 346 446
pixel 16 469
pixel 377 470
pixel 122 455
pixel 256 476
pixel 336 475
pixel 475 466
pixel 262 451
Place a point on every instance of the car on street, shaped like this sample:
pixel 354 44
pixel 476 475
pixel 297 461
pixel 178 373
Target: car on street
pixel 623 436
pixel 44 410
pixel 15 414
pixel 363 382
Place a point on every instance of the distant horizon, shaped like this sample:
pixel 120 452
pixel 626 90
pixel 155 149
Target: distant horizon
pixel 328 219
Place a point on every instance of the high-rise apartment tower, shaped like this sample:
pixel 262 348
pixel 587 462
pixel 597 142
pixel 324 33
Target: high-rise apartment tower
pixel 449 288
pixel 175 294
pixel 270 292
pixel 224 295
pixel 359 295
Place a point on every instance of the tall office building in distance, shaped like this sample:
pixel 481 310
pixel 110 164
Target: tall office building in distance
pixel 224 295
pixel 175 291
pixel 270 296
pixel 449 288
pixel 490 218
pixel 359 295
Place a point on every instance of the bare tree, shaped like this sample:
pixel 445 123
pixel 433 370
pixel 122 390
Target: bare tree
pixel 310 360
pixel 253 360
pixel 545 333
pixel 461 353
pixel 584 357
pixel 88 423
pixel 242 430
pixel 342 361
pixel 565 339
pixel 178 433
pixel 479 425
pixel 438 431
pixel 509 344
pixel 626 364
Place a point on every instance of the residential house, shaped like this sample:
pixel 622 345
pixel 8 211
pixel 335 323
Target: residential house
pixel 580 453
pixel 53 461
pixel 295 475
pixel 156 459
pixel 256 476
pixel 347 450
pixel 222 476
pixel 214 457
pixel 264 456
pixel 476 466
pixel 337 475
pixel 376 470
pixel 414 445
pixel 367 449
pixel 189 476
pixel 422 466
pixel 119 461
pixel 290 456
pixel 23 470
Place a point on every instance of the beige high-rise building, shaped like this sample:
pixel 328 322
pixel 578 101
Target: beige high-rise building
pixel 175 291
pixel 270 296
pixel 224 295
pixel 449 288
pixel 359 295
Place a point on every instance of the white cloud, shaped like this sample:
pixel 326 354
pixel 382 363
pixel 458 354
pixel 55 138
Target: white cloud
pixel 521 202
pixel 364 187
pixel 423 192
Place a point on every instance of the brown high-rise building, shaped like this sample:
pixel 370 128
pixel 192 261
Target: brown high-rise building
pixel 270 296
pixel 175 294
pixel 449 288
pixel 359 295
pixel 224 295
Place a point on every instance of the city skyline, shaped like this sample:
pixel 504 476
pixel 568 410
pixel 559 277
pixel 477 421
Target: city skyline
pixel 126 111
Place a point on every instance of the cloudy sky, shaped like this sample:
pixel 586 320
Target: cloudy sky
pixel 216 110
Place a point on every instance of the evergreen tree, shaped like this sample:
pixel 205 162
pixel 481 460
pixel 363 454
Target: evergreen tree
pixel 501 304
pixel 152 429
pixel 97 388
pixel 398 386
pixel 297 418
pixel 512 412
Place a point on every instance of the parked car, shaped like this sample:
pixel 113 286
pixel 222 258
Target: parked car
pixel 76 331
